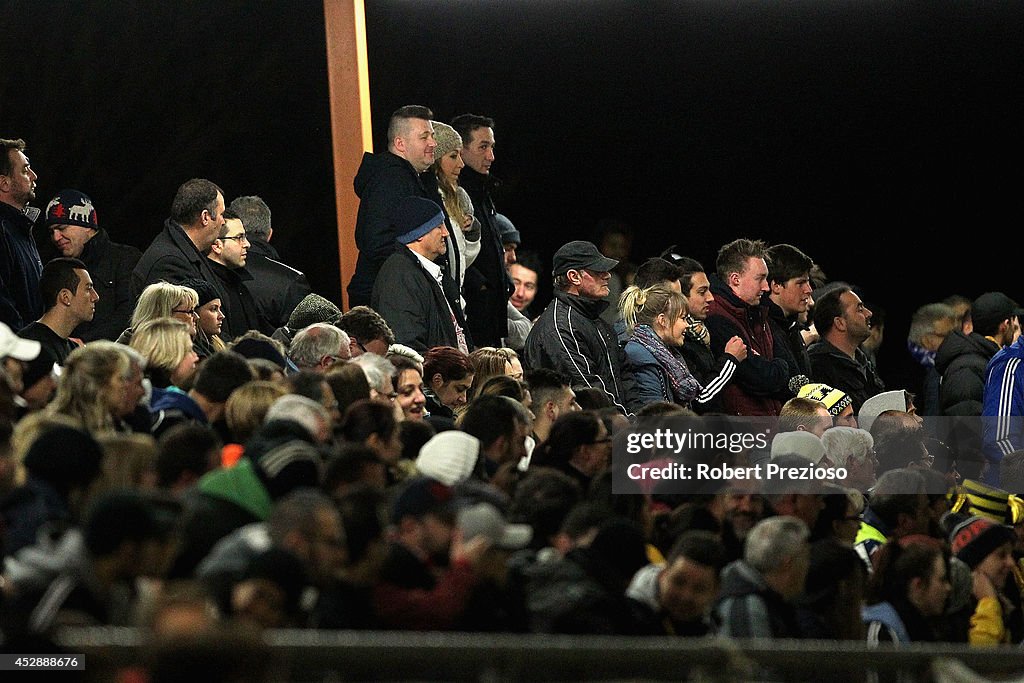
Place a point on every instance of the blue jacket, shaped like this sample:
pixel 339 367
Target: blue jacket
pixel 654 384
pixel 652 381
pixel 884 615
pixel 1003 408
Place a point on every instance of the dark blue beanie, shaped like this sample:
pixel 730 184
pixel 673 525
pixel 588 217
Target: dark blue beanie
pixel 414 217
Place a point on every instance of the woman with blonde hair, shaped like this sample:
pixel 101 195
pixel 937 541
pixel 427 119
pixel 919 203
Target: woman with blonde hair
pixel 488 362
pixel 164 300
pixel 247 407
pixel 656 320
pixel 166 345
pixel 457 204
pixel 92 386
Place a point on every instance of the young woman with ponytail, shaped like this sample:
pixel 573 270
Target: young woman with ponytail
pixel 656 319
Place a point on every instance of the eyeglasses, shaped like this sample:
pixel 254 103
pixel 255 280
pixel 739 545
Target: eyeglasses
pixel 607 439
pixel 240 237
pixel 190 311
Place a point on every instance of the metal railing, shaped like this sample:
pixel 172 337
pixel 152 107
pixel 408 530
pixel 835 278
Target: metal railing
pixel 362 655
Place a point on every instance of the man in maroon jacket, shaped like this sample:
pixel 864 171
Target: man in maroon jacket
pixel 761 384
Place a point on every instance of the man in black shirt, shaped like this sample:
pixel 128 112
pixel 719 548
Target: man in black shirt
pixel 67 290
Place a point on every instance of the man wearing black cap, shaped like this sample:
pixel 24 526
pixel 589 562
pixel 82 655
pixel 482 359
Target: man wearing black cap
pixel 570 337
pixel 75 232
pixel 1003 401
pixel 416 297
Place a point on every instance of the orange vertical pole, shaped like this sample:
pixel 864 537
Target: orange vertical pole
pixel 351 132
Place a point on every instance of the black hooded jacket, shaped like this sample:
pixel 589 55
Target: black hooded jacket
pixel 381 182
pixel 961 360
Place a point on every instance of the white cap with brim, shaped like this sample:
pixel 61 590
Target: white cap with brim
pixel 13 346
pixel 878 404
pixel 483 519
pixel 800 443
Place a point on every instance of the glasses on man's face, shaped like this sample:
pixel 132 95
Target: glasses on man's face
pixel 240 237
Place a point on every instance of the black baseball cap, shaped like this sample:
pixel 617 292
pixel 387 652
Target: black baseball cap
pixel 579 255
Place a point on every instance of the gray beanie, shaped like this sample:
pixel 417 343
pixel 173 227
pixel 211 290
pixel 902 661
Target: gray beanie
pixel 447 139
pixel 313 309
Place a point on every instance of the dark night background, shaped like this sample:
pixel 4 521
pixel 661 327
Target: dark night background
pixel 883 138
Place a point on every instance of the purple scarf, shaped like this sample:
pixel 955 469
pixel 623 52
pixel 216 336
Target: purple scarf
pixel 685 387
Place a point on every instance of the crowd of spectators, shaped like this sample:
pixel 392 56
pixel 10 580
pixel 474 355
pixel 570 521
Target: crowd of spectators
pixel 190 437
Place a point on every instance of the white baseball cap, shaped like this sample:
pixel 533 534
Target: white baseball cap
pixel 13 346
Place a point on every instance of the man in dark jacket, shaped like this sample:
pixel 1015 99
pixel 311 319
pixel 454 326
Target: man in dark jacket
pixel 844 322
pixel 713 372
pixel 74 229
pixel 962 358
pixel 756 597
pixel 228 256
pixel 382 181
pixel 178 252
pixel 487 286
pixel 789 282
pixel 762 380
pixel 570 337
pixel 412 292
pixel 20 266
pixel 277 287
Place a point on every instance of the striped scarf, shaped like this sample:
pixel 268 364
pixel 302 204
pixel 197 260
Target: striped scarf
pixel 697 331
pixel 685 387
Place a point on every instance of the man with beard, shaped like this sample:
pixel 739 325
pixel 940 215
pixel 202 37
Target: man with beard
pixel 20 265
pixel 682 590
pixel 741 508
pixel 844 322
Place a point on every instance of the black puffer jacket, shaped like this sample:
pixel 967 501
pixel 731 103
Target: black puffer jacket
pixel 961 360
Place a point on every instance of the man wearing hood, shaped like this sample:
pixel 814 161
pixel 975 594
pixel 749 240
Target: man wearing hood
pixel 382 181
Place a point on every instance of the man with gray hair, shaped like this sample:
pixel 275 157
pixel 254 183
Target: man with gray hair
pixel 318 347
pixel 277 287
pixel 757 592
pixel 380 375
pixel 305 412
